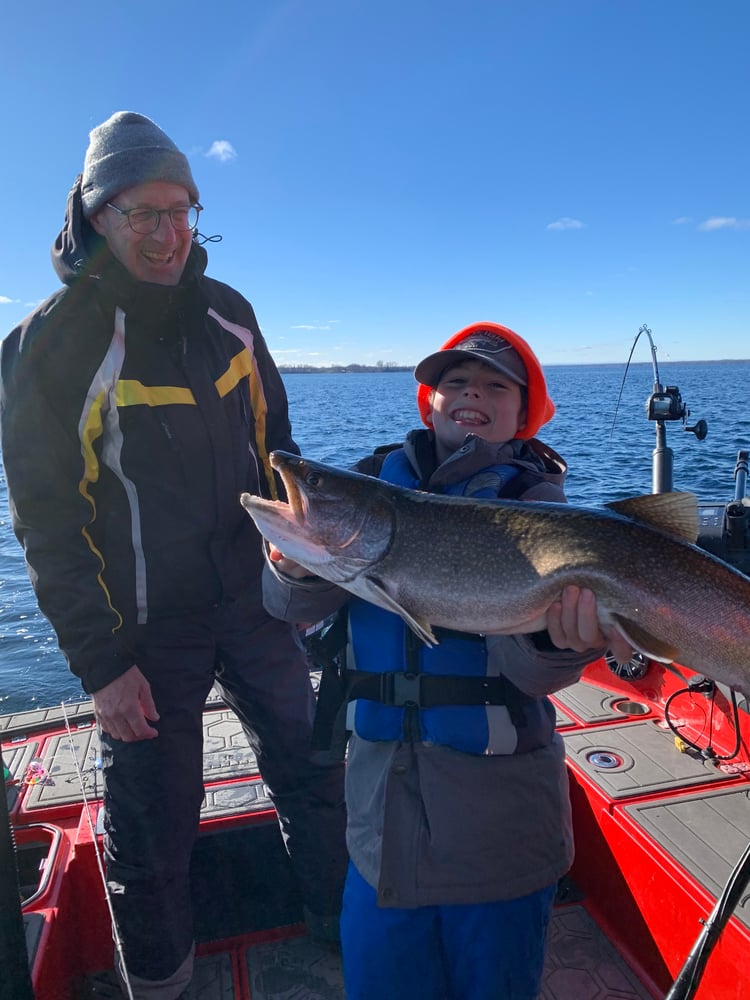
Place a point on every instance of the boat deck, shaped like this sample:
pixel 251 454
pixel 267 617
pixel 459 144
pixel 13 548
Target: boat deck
pixel 677 819
pixel 581 964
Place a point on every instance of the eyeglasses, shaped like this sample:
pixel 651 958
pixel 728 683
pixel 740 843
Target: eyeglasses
pixel 145 221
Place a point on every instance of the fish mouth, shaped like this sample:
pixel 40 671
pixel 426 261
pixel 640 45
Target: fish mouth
pixel 282 463
pixel 293 510
pixel 299 475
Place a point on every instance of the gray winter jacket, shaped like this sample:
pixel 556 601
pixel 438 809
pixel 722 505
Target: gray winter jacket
pixel 430 825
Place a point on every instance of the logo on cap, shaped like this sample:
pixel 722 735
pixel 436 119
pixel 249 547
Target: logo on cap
pixel 487 343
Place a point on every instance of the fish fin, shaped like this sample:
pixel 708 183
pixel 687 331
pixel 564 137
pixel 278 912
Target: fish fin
pixel 675 513
pixel 383 599
pixel 422 629
pixel 644 642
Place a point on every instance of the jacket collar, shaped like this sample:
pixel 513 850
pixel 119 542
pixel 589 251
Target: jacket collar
pixel 476 454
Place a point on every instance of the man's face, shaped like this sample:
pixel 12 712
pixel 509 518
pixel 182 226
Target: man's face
pixel 159 257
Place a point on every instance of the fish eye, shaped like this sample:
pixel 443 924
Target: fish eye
pixel 313 479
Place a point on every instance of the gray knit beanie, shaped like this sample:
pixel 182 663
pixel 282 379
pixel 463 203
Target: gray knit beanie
pixel 126 150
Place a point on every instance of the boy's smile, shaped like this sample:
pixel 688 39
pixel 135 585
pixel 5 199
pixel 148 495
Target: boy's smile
pixel 470 417
pixel 475 398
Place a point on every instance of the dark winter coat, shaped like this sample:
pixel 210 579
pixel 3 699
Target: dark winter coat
pixel 133 416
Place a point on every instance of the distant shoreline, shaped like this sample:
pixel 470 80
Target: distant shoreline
pixel 340 369
pixel 349 369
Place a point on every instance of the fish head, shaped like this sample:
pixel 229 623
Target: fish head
pixel 334 522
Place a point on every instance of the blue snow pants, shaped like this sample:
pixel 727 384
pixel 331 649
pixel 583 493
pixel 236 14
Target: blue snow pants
pixel 484 951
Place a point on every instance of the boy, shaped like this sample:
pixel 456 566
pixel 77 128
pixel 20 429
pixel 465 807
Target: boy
pixel 459 821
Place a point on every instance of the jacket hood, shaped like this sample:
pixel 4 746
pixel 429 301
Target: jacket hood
pixel 79 251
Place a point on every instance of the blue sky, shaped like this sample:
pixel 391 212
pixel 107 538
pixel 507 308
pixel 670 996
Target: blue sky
pixel 384 172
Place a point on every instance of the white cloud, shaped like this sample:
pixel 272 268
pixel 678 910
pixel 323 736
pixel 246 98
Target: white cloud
pixel 683 220
pixel 316 326
pixel 566 223
pixel 5 301
pixel 723 222
pixel 222 150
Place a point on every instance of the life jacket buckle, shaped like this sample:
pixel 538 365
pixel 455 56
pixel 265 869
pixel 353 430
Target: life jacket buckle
pixel 401 689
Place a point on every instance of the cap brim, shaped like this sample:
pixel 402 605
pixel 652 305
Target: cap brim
pixel 429 370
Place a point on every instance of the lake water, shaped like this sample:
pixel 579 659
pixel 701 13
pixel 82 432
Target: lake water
pixel 339 418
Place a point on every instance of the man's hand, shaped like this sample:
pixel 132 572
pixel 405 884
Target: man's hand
pixel 124 706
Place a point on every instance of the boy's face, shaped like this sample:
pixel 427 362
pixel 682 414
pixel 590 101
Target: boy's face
pixel 475 398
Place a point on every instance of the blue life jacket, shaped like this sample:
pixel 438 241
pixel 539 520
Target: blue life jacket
pixel 485 485
pixel 381 642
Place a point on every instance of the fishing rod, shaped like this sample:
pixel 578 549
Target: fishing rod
pixel 689 977
pixel 120 955
pixel 664 404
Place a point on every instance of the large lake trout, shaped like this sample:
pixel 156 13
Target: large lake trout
pixel 488 566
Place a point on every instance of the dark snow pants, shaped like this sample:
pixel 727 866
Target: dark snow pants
pixel 154 788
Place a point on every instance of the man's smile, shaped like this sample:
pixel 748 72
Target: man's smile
pixel 157 257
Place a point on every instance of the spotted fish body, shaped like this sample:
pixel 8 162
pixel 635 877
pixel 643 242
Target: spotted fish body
pixel 489 566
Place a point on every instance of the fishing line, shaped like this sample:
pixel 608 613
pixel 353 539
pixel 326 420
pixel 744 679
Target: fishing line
pixel 99 862
pixel 643 329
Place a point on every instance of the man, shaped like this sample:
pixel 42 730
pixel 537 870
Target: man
pixel 138 402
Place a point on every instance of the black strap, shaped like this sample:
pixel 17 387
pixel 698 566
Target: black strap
pixel 399 689
pixel 417 690
pixel 326 650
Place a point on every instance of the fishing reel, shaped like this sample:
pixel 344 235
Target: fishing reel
pixel 665 403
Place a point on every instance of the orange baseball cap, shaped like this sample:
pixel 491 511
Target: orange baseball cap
pixel 504 350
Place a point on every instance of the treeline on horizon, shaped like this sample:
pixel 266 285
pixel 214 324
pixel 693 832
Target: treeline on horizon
pixel 381 366
pixel 391 366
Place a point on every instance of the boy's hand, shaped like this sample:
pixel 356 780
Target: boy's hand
pixel 573 623
pixel 286 566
